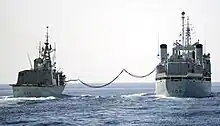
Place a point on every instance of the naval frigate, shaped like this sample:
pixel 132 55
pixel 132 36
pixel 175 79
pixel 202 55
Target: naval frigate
pixel 187 72
pixel 43 80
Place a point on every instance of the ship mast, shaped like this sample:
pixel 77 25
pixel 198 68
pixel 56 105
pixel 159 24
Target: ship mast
pixel 39 49
pixel 46 52
pixel 188 35
pixel 158 44
pixel 47 49
pixel 47 36
pixel 188 42
pixel 183 13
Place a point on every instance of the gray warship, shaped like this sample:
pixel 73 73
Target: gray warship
pixel 43 80
pixel 187 72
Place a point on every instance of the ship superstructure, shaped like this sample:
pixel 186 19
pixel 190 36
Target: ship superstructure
pixel 187 72
pixel 42 80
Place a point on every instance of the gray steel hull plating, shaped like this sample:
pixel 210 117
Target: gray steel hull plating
pixel 34 91
pixel 184 88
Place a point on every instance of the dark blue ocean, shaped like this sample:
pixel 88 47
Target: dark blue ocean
pixel 120 104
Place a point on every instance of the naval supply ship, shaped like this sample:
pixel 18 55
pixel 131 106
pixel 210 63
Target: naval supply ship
pixel 187 72
pixel 43 80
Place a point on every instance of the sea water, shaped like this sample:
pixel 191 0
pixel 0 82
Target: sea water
pixel 120 104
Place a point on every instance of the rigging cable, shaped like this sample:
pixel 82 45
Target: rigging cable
pixel 100 86
pixel 139 76
pixel 97 86
pixel 104 85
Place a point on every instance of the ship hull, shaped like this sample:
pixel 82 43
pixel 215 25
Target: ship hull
pixel 35 91
pixel 184 88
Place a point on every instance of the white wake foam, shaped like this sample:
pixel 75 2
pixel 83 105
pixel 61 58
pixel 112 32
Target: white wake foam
pixel 164 97
pixel 134 95
pixel 8 100
pixel 86 95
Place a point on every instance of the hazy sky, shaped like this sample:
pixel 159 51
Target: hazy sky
pixel 97 38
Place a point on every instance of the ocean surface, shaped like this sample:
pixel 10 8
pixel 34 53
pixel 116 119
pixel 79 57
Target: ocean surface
pixel 120 104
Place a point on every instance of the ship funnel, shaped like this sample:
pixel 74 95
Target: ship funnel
pixel 163 52
pixel 199 52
